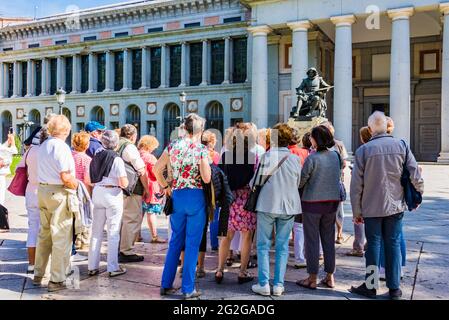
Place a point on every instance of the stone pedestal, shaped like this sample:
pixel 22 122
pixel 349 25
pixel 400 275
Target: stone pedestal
pixel 304 126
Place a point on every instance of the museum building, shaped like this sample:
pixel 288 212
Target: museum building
pixel 234 60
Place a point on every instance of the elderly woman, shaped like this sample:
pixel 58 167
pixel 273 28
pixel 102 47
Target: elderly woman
pixel 189 161
pixel 279 169
pixel 7 150
pixel 320 184
pixel 56 172
pixel 108 175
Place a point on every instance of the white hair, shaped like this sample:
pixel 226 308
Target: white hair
pixel 377 122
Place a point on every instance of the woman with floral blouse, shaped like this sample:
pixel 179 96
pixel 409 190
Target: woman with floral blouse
pixel 189 162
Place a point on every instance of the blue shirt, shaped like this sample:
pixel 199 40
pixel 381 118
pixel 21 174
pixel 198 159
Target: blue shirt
pixel 94 146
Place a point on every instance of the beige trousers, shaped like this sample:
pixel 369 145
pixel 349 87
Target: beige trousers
pixel 55 235
pixel 131 223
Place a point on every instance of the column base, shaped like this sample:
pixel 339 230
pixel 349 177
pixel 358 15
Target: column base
pixel 107 90
pixel 162 86
pixel 443 158
pixel 14 96
pixel 74 92
pixel 91 91
pixel 143 88
pixel 124 89
pixel 203 84
pixel 43 94
pixel 182 85
pixel 29 95
pixel 226 82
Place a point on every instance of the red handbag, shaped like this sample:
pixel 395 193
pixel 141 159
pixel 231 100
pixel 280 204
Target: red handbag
pixel 19 183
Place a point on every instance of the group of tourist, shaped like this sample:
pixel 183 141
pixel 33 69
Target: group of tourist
pixel 295 184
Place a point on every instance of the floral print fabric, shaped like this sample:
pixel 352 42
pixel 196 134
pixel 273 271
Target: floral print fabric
pixel 239 218
pixel 185 156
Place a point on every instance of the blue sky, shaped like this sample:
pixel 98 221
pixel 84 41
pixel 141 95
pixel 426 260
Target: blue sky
pixel 25 8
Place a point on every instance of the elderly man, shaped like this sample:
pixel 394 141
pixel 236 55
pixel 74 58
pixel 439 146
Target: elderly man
pixel 95 130
pixel 377 199
pixel 132 211
pixel 56 175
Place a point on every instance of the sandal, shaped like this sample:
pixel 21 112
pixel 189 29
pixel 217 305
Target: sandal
pixel 246 278
pixel 251 265
pixel 117 273
pixel 92 273
pixel 156 239
pixel 327 283
pixel 200 273
pixel 306 283
pixel 339 240
pixel 230 262
pixel 218 279
pixel 355 253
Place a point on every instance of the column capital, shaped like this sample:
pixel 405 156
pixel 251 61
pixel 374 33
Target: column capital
pixel 262 30
pixel 204 40
pixel 302 25
pixel 400 13
pixel 346 20
pixel 444 8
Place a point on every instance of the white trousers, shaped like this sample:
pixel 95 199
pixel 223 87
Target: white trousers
pixel 108 210
pixel 298 230
pixel 34 218
pixel 2 189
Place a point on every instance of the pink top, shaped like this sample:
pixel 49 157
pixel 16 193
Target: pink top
pixel 153 186
pixel 31 162
pixel 82 163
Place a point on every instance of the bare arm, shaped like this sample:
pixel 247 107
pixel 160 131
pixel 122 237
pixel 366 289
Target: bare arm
pixel 205 170
pixel 68 180
pixel 123 182
pixel 158 170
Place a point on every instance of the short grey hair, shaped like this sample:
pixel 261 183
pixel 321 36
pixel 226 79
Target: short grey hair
pixel 110 140
pixel 193 123
pixel 377 122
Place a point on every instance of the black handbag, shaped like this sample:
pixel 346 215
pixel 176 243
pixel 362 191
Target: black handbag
pixel 251 203
pixel 168 207
pixel 4 222
pixel 135 186
pixel 412 197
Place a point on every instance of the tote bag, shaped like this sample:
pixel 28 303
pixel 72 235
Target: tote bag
pixel 19 183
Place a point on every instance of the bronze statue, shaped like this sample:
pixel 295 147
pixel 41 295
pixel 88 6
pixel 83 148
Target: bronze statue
pixel 311 96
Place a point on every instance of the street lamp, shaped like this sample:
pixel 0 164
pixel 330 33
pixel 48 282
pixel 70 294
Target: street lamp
pixel 60 97
pixel 25 126
pixel 183 99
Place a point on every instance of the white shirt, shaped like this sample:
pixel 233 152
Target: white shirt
pixel 54 157
pixel 131 154
pixel 6 154
pixel 117 171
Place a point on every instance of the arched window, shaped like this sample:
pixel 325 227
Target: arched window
pixel 214 116
pixel 35 117
pixel 6 124
pixel 133 117
pixel 171 120
pixel 97 114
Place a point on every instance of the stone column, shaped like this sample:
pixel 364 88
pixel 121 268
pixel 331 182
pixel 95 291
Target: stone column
pixel 227 54
pixel 400 72
pixel 300 52
pixel 30 78
pixel 444 154
pixel 249 55
pixel 44 77
pixel 60 73
pixel 204 67
pixel 127 70
pixel 76 74
pixel 145 58
pixel 16 80
pixel 259 91
pixel 183 64
pixel 163 66
pixel 92 72
pixel 108 83
pixel 343 79
pixel 2 80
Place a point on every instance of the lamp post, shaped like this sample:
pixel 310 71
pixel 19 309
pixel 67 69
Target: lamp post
pixel 183 99
pixel 25 125
pixel 60 97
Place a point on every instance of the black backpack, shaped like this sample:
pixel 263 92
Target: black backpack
pixel 135 186
pixel 4 224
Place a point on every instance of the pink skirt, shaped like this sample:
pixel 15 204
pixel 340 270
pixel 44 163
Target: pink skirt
pixel 239 218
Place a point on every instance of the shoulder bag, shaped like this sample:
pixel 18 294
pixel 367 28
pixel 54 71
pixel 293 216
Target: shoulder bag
pixel 343 195
pixel 19 183
pixel 135 186
pixel 412 197
pixel 251 203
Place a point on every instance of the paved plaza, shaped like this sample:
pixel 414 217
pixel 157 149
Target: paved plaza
pixel 426 231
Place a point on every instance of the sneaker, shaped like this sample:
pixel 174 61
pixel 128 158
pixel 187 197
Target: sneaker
pixel 300 265
pixel 37 281
pixel 382 276
pixel 167 291
pixel 56 286
pixel 278 290
pixel 364 291
pixel 117 273
pixel 93 273
pixel 262 290
pixel 395 294
pixel 78 258
pixel 193 295
pixel 131 258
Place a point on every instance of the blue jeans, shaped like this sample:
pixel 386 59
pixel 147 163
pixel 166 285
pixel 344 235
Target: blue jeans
pixel 403 252
pixel 187 223
pixel 214 229
pixel 388 230
pixel 265 224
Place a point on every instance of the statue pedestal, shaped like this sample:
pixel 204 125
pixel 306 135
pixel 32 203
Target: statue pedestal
pixel 305 124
